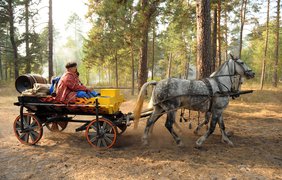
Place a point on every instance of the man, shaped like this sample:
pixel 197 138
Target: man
pixel 69 86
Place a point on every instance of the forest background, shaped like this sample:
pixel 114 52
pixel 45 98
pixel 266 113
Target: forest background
pixel 129 42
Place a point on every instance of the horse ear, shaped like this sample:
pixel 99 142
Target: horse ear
pixel 232 57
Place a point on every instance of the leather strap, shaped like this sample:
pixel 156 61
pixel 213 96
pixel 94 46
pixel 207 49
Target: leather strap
pixel 208 84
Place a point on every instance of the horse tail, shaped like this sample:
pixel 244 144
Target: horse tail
pixel 138 106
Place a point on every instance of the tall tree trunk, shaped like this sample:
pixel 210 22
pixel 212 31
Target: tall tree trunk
pixel 6 57
pixel 188 57
pixel 275 74
pixel 214 38
pixel 147 10
pixel 242 15
pixel 27 57
pixel 143 70
pixel 6 68
pixel 168 74
pixel 1 67
pixel 187 65
pixel 265 49
pixel 50 37
pixel 132 67
pixel 203 38
pixel 218 31
pixel 12 39
pixel 116 69
pixel 153 52
pixel 10 70
pixel 225 32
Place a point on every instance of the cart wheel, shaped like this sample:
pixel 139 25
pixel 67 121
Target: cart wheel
pixel 32 132
pixel 121 129
pixel 106 137
pixel 57 126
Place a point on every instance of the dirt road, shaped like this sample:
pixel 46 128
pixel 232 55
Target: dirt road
pixel 255 120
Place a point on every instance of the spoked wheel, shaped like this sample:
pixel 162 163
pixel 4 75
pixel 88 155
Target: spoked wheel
pixel 121 129
pixel 32 129
pixel 104 138
pixel 57 126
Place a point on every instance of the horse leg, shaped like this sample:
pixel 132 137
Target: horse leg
pixel 211 129
pixel 223 132
pixel 151 129
pixel 157 113
pixel 205 122
pixel 169 125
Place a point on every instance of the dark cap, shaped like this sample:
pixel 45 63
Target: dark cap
pixel 71 64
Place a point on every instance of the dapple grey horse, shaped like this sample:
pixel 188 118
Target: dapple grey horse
pixel 208 95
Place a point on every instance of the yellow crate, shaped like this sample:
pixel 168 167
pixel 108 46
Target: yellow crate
pixel 109 101
pixel 110 92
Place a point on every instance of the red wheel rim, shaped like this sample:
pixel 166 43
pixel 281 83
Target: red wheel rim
pixel 32 129
pixel 107 137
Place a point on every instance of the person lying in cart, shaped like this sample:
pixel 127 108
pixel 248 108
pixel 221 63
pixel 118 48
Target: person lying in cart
pixel 69 86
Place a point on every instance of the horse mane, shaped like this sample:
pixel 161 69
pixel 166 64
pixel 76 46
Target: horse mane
pixel 221 66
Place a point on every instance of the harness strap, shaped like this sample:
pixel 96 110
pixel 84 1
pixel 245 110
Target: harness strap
pixel 218 84
pixel 209 86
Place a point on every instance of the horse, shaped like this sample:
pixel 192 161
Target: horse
pixel 238 81
pixel 209 95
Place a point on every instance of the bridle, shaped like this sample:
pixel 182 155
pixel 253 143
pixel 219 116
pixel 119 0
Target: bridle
pixel 231 76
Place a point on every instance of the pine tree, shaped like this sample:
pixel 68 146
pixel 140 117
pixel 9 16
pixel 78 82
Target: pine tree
pixel 50 42
pixel 275 73
pixel 203 39
pixel 10 10
pixel 265 48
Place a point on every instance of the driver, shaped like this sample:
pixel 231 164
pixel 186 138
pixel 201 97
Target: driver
pixel 69 86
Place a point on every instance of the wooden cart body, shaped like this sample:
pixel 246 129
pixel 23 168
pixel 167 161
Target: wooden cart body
pixel 101 132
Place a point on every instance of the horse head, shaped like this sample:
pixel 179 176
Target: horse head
pixel 241 68
pixel 230 74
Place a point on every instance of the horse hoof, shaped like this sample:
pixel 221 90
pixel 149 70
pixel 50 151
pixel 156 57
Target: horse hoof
pixel 180 144
pixel 199 142
pixel 198 146
pixel 230 143
pixel 145 142
pixel 229 133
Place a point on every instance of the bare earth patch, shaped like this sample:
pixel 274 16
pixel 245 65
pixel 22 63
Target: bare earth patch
pixel 256 123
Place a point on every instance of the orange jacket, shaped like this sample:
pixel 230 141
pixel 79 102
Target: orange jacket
pixel 67 87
